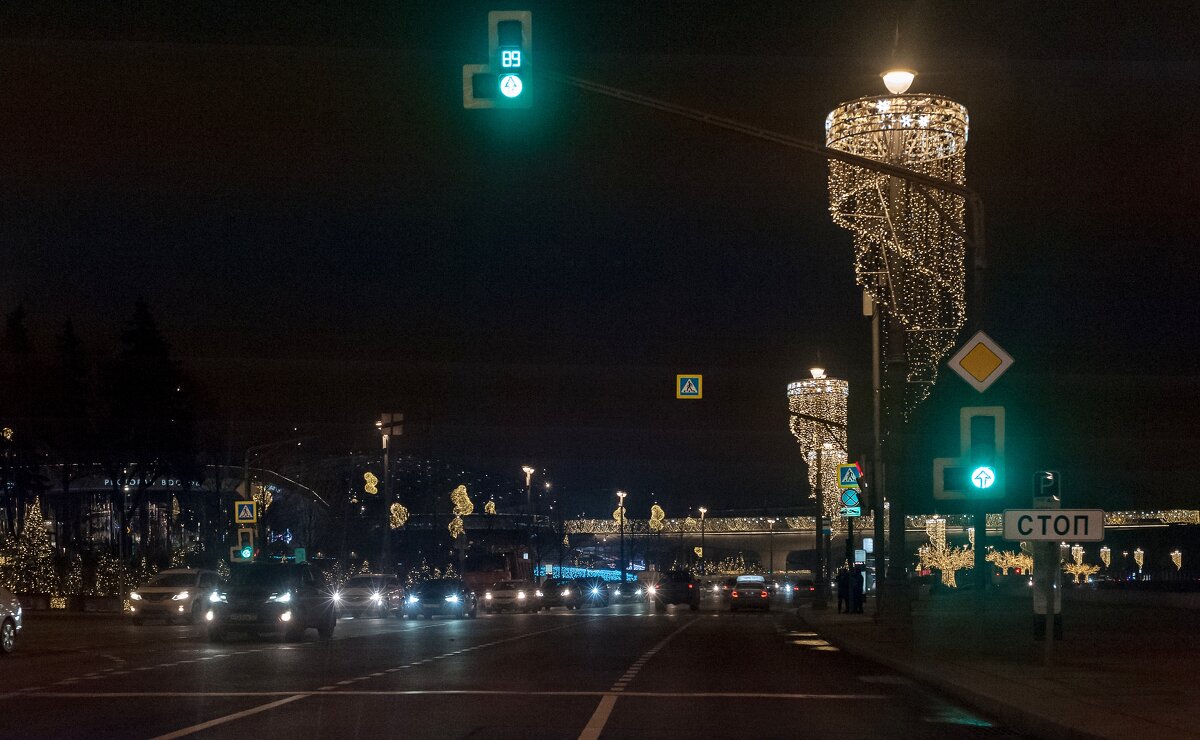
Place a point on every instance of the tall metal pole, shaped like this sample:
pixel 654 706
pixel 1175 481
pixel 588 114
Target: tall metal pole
pixel 771 541
pixel 878 474
pixel 621 510
pixel 703 552
pixel 819 601
pixel 385 566
pixel 528 471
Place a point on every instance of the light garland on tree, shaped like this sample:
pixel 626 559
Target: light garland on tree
pixel 1106 556
pixel 1079 569
pixel 657 515
pixel 370 483
pixel 462 502
pixel 489 507
pixel 1007 560
pixel 817 408
pixel 699 551
pixel 939 556
pixel 32 562
pixel 1177 559
pixel 456 527
pixel 397 515
pixel 909 250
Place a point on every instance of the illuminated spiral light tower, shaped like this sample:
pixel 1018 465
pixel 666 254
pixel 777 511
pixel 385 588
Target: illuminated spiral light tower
pixel 908 239
pixel 817 410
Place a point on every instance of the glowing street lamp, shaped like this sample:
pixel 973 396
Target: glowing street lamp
pixel 703 511
pixel 621 522
pixel 529 471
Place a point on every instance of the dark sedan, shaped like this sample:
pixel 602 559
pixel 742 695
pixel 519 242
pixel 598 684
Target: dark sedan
pixel 447 597
pixel 592 591
pixel 266 597
pixel 562 592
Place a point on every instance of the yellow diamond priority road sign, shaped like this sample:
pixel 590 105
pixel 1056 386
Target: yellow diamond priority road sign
pixel 980 361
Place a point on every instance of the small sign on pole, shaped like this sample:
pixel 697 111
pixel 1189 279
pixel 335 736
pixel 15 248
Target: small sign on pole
pixel 848 475
pixel 689 386
pixel 1054 525
pixel 245 512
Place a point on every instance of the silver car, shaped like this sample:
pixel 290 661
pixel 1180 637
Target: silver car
pixel 10 620
pixel 180 594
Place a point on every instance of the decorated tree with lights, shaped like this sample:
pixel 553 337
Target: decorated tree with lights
pixel 32 559
pixel 942 557
pixel 462 507
pixel 1078 568
pixel 1007 560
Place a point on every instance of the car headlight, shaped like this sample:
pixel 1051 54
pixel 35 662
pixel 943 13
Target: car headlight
pixel 134 595
pixel 180 596
pixel 595 591
pixel 637 592
pixel 282 598
pixel 651 589
pixel 538 593
pixel 487 595
pixel 520 594
pixel 617 592
pixel 413 600
pixel 286 616
pixel 376 597
pixel 452 598
pixel 566 592
pixel 337 596
pixel 208 615
pixel 215 596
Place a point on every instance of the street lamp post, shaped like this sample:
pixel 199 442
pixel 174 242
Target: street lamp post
pixel 771 541
pixel 703 511
pixel 528 471
pixel 621 522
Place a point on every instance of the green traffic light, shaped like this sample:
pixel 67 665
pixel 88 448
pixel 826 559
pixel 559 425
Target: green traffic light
pixel 247 552
pixel 983 477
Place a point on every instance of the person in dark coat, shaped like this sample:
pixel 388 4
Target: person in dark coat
pixel 843 589
pixel 856 590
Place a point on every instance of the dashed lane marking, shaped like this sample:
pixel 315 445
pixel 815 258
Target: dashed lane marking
pixel 599 718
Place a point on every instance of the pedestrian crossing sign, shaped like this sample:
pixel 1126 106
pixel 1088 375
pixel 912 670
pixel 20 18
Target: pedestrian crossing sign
pixel 689 386
pixel 245 512
pixel 848 474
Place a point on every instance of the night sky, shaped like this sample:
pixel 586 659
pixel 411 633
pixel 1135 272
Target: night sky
pixel 324 233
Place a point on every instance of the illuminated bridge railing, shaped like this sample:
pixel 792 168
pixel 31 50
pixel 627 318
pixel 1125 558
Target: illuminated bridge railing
pixel 759 525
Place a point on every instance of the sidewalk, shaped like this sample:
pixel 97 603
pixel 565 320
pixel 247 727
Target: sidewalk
pixel 1121 671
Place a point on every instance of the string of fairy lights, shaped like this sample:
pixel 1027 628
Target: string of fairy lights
pixel 817 411
pixel 908 240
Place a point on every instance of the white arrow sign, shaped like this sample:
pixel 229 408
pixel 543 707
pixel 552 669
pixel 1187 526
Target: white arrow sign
pixel 984 478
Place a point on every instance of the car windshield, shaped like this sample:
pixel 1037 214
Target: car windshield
pixel 364 582
pixel 261 576
pixel 437 587
pixel 508 586
pixel 174 580
pixel 678 576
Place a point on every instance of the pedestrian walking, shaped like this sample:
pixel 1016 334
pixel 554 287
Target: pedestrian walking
pixel 843 589
pixel 856 590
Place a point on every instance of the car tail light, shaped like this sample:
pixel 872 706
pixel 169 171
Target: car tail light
pixel 690 585
pixel 735 595
pixel 812 588
pixel 763 595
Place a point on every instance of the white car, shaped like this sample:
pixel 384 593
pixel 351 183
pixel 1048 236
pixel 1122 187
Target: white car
pixel 375 595
pixel 174 594
pixel 519 596
pixel 10 621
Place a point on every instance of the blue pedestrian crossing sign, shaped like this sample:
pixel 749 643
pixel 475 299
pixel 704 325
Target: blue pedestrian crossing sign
pixel 848 475
pixel 245 512
pixel 689 386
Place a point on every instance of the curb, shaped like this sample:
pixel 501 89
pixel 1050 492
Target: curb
pixel 1022 720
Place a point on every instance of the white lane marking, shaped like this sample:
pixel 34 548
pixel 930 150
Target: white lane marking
pixel 328 691
pixel 229 718
pixel 599 718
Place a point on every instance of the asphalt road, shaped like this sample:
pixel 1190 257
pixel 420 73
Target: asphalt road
pixel 618 671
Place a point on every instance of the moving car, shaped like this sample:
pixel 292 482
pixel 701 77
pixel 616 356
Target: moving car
pixel 560 592
pixel 592 591
pixel 180 593
pixel 265 597
pixel 373 595
pixel 675 587
pixel 519 596
pixel 448 597
pixel 10 620
pixel 749 592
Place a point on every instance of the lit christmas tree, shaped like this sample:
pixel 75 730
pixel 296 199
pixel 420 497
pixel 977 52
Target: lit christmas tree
pixel 33 557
